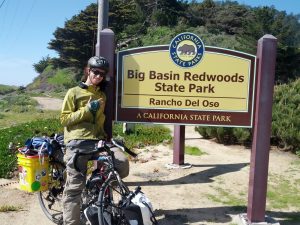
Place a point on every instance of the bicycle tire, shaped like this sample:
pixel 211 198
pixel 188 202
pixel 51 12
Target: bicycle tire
pixel 51 200
pixel 110 197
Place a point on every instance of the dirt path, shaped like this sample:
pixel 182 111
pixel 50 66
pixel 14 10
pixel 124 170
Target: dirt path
pixel 48 103
pixel 199 195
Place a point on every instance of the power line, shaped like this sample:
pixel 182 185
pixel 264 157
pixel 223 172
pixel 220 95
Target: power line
pixel 2 3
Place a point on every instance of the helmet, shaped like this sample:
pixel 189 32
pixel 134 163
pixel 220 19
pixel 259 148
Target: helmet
pixel 99 62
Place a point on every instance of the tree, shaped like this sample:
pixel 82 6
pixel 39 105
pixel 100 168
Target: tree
pixel 228 23
pixel 42 64
pixel 75 43
pixel 201 14
pixel 126 19
pixel 286 28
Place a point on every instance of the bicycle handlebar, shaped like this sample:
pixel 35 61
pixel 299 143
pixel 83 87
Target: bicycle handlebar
pixel 124 148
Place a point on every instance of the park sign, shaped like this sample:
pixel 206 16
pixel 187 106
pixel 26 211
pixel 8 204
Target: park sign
pixel 186 83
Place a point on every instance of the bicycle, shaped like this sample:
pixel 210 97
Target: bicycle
pixel 104 195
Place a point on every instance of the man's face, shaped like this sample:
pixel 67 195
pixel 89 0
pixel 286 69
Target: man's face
pixel 96 75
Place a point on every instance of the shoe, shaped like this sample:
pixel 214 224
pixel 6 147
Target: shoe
pixel 91 214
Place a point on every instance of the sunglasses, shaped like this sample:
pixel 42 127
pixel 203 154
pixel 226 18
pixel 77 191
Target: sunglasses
pixel 97 72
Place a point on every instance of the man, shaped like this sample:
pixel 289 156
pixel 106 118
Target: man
pixel 83 119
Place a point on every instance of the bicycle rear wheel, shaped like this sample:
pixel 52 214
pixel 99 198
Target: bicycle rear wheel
pixel 51 200
pixel 111 196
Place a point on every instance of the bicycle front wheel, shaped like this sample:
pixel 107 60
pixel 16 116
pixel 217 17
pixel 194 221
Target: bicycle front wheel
pixel 51 200
pixel 111 196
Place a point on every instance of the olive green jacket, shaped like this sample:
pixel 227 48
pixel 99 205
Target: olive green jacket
pixel 79 123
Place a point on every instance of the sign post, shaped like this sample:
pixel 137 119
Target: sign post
pixel 266 56
pixel 178 153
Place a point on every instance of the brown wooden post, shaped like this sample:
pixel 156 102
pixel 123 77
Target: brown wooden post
pixel 107 50
pixel 178 142
pixel 266 56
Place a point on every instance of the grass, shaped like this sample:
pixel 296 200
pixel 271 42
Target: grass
pixel 226 197
pixel 9 208
pixel 296 163
pixel 190 150
pixel 283 193
pixel 62 77
pixel 5 89
pixel 9 119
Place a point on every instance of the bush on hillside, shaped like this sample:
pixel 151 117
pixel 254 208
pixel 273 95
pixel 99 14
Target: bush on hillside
pixel 17 103
pixel 53 79
pixel 285 122
pixel 6 89
pixel 42 64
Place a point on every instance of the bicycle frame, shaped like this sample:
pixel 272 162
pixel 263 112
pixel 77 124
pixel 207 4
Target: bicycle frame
pixel 104 171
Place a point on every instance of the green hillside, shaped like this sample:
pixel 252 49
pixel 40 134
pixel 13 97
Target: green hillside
pixel 6 89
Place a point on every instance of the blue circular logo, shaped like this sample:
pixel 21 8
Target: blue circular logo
pixel 186 50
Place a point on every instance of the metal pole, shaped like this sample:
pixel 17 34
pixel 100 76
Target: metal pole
pixel 106 47
pixel 266 56
pixel 103 8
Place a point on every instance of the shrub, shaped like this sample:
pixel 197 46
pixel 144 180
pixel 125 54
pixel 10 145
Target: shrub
pixel 242 135
pixel 17 103
pixel 143 135
pixel 42 64
pixel 286 116
pixel 18 135
pixel 203 131
pixel 5 89
pixel 285 122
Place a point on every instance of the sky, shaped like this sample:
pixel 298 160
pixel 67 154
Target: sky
pixel 27 26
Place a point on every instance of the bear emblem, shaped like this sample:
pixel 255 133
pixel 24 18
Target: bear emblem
pixel 186 49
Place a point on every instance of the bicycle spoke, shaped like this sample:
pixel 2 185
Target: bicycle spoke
pixel 112 194
pixel 50 200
